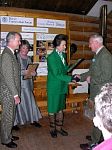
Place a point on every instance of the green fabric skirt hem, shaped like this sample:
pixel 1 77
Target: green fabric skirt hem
pixel 56 103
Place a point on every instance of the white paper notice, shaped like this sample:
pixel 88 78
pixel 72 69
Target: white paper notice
pixel 84 85
pixel 42 69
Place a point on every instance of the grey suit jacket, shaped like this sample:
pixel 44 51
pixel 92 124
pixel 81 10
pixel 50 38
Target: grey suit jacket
pixel 100 71
pixel 10 76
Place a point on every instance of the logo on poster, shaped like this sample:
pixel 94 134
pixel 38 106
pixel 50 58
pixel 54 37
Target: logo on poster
pixel 5 19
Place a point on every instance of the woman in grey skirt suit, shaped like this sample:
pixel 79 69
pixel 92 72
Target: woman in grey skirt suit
pixel 27 111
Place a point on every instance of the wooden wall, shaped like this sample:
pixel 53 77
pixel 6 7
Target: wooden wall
pixel 32 14
pixel 109 34
pixel 79 28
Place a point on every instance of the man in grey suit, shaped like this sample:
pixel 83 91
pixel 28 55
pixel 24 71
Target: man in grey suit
pixel 100 72
pixel 10 88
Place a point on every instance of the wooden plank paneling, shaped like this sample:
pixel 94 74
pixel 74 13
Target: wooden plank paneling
pixel 79 37
pixel 109 22
pixel 81 27
pixel 82 54
pixel 81 18
pixel 109 40
pixel 8 28
pixel 84 28
pixel 85 64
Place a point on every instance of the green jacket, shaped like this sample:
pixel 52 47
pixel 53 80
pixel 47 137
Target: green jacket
pixel 57 79
pixel 100 71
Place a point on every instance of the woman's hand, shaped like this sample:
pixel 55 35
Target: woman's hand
pixel 26 72
pixel 33 73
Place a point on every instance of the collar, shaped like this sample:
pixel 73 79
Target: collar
pixel 58 52
pixel 99 49
pixel 11 49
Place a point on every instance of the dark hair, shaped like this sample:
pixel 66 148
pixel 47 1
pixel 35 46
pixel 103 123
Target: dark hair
pixel 58 38
pixel 11 35
pixel 73 48
pixel 25 42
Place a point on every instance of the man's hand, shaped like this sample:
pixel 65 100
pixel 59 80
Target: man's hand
pixel 75 78
pixel 90 104
pixel 17 100
pixel 88 79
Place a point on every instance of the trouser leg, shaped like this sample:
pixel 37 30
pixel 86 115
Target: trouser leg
pixel 96 135
pixel 59 120
pixel 52 121
pixel 59 123
pixel 7 119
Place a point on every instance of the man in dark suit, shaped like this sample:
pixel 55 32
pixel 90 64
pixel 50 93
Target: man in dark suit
pixel 10 88
pixel 100 72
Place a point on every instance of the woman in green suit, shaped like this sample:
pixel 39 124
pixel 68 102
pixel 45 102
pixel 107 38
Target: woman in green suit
pixel 57 85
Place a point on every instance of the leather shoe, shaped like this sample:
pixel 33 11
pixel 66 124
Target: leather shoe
pixel 36 124
pixel 15 128
pixel 62 132
pixel 15 138
pixel 88 137
pixel 84 146
pixel 53 133
pixel 10 144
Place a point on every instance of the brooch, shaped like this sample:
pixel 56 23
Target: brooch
pixel 93 60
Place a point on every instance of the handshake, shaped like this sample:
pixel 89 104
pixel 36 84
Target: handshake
pixel 75 78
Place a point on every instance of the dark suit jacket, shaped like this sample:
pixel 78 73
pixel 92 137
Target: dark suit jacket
pixel 100 71
pixel 10 73
pixel 10 86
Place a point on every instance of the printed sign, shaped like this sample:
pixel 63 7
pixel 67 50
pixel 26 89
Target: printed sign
pixel 45 37
pixel 24 35
pixel 51 23
pixel 17 20
pixel 34 29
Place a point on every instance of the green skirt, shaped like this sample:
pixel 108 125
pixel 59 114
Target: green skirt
pixel 56 103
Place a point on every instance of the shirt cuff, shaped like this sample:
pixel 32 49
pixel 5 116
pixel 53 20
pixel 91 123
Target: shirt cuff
pixel 15 96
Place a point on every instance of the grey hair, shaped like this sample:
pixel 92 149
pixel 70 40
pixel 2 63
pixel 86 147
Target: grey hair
pixel 97 37
pixel 11 35
pixel 103 106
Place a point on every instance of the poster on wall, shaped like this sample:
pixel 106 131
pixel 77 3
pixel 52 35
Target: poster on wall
pixel 44 45
pixel 34 29
pixel 42 69
pixel 41 51
pixel 11 20
pixel 46 37
pixel 52 23
pixel 25 36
